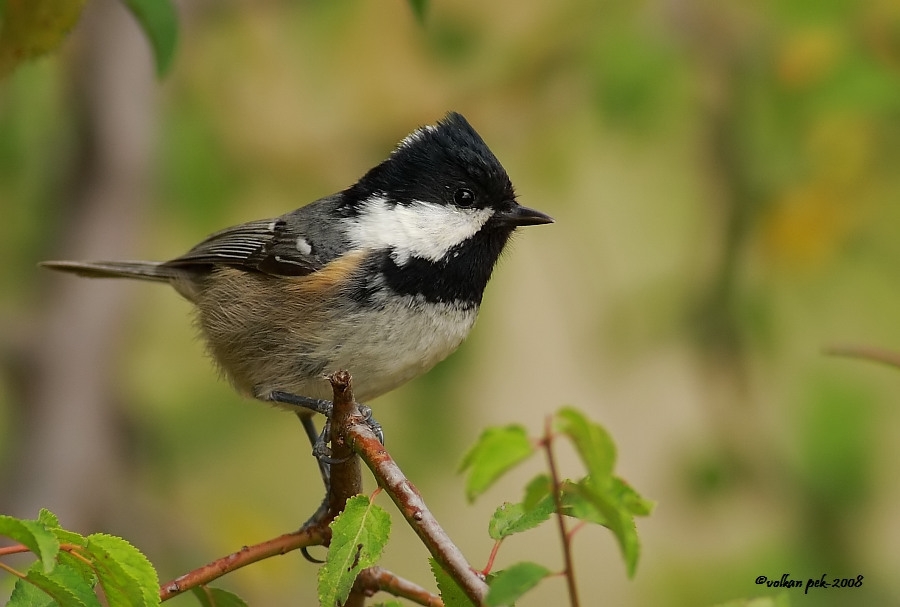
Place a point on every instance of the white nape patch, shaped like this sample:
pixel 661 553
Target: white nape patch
pixel 303 246
pixel 421 229
pixel 415 136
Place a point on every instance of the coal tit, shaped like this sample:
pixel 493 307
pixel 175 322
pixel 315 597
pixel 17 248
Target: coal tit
pixel 383 279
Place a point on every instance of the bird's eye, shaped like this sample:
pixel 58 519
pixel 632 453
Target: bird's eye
pixel 463 197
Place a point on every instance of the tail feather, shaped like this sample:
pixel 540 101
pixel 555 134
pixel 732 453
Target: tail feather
pixel 144 270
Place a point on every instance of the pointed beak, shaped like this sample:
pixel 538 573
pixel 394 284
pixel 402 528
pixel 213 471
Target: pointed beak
pixel 518 215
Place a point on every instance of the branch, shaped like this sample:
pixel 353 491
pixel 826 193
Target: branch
pixel 345 482
pixel 350 435
pixel 870 353
pixel 557 498
pixel 346 479
pixel 312 535
pixel 373 579
pixel 408 500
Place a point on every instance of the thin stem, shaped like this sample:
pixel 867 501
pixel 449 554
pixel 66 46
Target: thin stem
pixel 578 527
pixel 74 551
pixel 15 549
pixel 561 520
pixel 490 563
pixel 12 571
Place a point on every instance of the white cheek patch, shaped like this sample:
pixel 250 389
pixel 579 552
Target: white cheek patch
pixel 420 229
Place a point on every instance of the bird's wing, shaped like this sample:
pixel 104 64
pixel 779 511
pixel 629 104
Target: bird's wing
pixel 271 246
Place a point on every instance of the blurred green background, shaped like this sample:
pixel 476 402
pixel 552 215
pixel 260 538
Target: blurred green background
pixel 726 182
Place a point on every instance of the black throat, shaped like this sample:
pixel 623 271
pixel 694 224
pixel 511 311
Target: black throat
pixel 459 277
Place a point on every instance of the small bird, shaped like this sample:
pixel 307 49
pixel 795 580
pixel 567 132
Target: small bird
pixel 383 279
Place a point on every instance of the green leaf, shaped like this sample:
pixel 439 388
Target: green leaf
pixel 33 535
pixel 509 518
pixel 451 593
pixel 619 519
pixel 64 585
pixel 419 8
pixel 33 28
pixel 79 566
pixel 358 536
pixel 216 597
pixel 536 490
pixel 510 584
pixel 592 442
pixel 159 21
pixel 630 499
pixel 497 450
pixel 25 594
pixel 47 518
pixel 68 537
pixel 126 576
pixel 64 557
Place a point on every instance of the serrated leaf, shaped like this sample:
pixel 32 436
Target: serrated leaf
pixel 510 519
pixel 618 520
pixel 592 442
pixel 64 585
pixel 68 537
pixel 419 8
pixel 33 28
pixel 497 450
pixel 579 506
pixel 85 570
pixel 33 535
pixel 159 21
pixel 124 573
pixel 47 518
pixel 358 536
pixel 537 489
pixel 631 499
pixel 26 594
pixel 511 583
pixel 217 597
pixel 451 593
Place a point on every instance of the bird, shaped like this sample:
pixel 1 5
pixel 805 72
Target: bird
pixel 383 279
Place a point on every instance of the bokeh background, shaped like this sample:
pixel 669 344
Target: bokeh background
pixel 726 182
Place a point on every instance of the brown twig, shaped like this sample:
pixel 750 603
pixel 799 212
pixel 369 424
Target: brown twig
pixel 313 535
pixel 345 482
pixel 561 520
pixel 373 579
pixel 408 500
pixel 352 436
pixel 871 353
pixel 346 479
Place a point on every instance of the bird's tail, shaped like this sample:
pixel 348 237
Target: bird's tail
pixel 144 270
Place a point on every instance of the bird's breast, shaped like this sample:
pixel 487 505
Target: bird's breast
pixel 389 344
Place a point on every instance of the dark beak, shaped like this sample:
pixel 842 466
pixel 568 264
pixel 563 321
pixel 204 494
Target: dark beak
pixel 518 215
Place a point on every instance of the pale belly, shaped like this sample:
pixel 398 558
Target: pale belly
pixel 380 350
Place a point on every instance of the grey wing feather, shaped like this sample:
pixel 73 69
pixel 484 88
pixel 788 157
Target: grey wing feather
pixel 268 246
